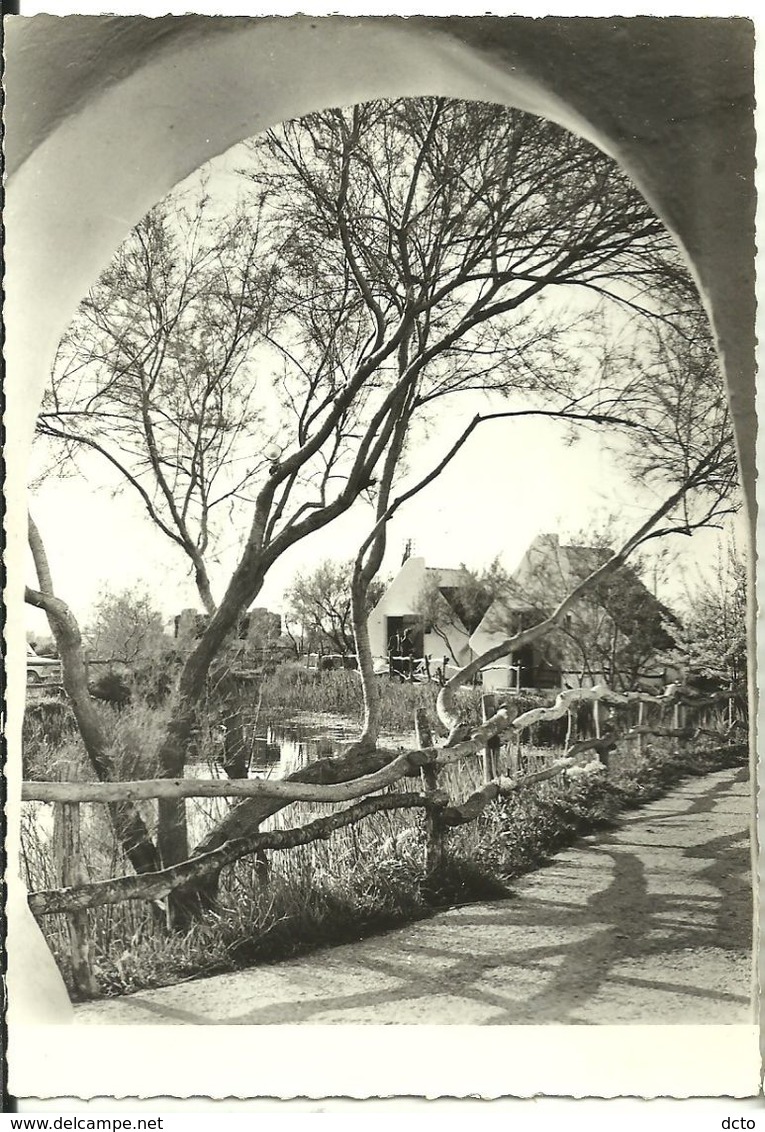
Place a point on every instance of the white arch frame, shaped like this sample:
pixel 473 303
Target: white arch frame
pixel 188 88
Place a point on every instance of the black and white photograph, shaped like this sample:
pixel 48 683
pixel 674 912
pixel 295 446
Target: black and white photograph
pixel 380 472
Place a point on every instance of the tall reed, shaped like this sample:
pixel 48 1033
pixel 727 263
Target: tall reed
pixel 362 878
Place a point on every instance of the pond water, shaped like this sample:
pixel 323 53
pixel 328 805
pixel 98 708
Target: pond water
pixel 285 747
pixel 277 750
pixel 282 747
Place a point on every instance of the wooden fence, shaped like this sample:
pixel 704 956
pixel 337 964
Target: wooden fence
pixel 497 743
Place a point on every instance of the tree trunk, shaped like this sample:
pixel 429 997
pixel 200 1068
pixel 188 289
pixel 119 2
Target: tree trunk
pixel 246 817
pixel 234 747
pixel 371 728
pixel 245 584
pixel 129 827
pixel 203 586
pixel 172 835
pixel 226 693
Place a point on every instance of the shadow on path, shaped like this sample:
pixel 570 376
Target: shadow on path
pixel 650 924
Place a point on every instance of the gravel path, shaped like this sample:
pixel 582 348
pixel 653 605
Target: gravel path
pixel 650 924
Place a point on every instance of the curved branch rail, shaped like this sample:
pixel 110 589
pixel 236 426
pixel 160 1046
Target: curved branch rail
pixel 152 886
pixel 599 692
pixel 157 884
pixel 672 694
pixel 400 766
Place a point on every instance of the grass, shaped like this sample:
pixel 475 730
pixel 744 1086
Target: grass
pixel 364 879
pixel 523 831
pixel 291 690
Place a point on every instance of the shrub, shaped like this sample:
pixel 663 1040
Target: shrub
pixel 49 727
pixel 113 688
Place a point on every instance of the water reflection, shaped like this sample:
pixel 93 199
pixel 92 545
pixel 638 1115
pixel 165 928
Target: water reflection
pixel 285 747
pixel 278 749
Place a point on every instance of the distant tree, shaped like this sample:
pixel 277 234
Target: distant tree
pixel 319 602
pixel 127 629
pixel 620 628
pixel 715 637
pixel 462 606
pixel 154 376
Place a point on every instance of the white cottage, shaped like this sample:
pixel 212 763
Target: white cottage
pixel 546 573
pixel 399 625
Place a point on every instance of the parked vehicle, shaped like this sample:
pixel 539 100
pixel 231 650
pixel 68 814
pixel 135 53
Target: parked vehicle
pixel 42 669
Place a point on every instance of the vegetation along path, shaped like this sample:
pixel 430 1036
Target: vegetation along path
pixel 651 923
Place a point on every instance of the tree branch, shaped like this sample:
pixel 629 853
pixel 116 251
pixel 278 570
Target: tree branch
pixel 446 703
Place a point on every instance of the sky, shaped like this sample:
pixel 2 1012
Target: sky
pixel 513 480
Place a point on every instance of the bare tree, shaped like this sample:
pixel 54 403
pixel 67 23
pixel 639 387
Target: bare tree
pixel 413 248
pixel 129 827
pixel 126 628
pixel 319 601
pixel 416 239
pixel 154 376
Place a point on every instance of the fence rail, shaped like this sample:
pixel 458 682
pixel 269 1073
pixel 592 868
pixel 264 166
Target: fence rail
pixel 424 763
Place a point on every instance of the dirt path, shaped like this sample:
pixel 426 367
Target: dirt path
pixel 649 924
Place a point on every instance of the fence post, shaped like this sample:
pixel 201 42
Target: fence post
pixel 493 746
pixel 434 830
pixel 262 867
pixel 513 754
pixel 523 758
pixel 569 731
pixel 70 870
